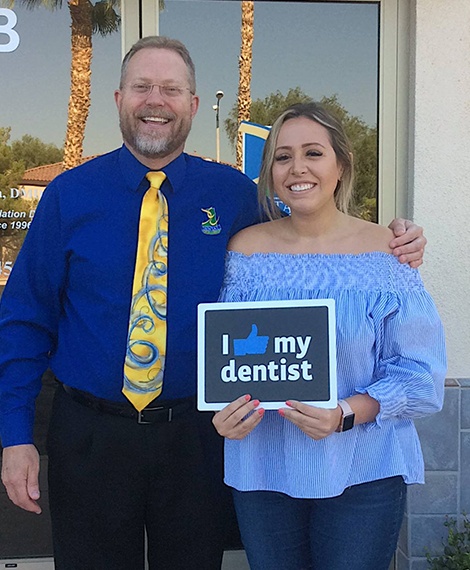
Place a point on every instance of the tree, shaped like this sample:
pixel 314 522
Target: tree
pixel 33 152
pixel 264 111
pixel 87 18
pixel 11 169
pixel 363 139
pixel 15 211
pixel 244 67
pixel 11 210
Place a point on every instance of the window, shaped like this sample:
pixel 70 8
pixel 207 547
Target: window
pixel 354 51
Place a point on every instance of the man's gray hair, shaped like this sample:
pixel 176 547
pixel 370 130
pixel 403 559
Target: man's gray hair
pixel 161 42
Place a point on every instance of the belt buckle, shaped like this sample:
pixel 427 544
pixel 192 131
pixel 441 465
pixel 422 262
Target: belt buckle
pixel 142 421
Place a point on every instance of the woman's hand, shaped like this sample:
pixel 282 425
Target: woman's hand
pixel 317 423
pixel 232 422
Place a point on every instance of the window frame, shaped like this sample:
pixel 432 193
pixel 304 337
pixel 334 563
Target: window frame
pixel 394 148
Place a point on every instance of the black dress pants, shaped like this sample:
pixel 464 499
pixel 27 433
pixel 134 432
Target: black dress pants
pixel 110 478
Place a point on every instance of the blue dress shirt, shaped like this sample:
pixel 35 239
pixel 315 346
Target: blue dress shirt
pixel 66 303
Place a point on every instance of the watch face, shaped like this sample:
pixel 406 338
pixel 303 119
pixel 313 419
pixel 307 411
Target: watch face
pixel 348 422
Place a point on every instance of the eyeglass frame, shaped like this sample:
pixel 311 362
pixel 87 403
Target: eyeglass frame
pixel 149 89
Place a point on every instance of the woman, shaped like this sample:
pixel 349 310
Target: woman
pixel 315 488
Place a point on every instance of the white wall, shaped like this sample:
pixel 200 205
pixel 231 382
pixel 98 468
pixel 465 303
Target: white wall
pixel 440 199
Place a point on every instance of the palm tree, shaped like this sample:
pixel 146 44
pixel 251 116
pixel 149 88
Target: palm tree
pixel 244 67
pixel 87 19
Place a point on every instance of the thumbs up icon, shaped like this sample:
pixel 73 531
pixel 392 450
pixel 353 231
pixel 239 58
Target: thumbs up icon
pixel 253 344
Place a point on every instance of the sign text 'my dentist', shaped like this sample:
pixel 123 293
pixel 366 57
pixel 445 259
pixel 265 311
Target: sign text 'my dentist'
pixel 274 371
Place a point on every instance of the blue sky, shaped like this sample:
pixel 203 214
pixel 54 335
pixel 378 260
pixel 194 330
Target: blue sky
pixel 324 48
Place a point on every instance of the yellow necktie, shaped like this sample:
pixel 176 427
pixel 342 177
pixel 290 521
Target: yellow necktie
pixel 146 342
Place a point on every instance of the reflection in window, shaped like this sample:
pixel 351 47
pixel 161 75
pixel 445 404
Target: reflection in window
pixel 301 50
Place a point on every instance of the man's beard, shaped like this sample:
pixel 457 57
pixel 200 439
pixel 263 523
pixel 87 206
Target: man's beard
pixel 152 146
pixel 149 147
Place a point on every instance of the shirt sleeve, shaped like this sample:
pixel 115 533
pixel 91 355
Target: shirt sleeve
pixel 411 358
pixel 29 315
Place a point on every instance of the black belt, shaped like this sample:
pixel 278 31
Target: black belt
pixel 149 415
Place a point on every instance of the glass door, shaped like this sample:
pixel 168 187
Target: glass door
pixel 36 62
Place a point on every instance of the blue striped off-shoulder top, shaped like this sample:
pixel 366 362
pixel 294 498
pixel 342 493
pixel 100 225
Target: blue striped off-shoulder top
pixel 390 344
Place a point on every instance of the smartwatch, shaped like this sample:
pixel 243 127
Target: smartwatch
pixel 347 419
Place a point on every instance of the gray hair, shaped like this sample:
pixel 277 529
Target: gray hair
pixel 161 42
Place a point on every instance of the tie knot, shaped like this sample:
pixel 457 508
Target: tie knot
pixel 156 179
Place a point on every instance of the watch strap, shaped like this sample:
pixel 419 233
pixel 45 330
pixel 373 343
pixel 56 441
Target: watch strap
pixel 347 418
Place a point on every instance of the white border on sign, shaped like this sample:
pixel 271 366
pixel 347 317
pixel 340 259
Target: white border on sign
pixel 202 308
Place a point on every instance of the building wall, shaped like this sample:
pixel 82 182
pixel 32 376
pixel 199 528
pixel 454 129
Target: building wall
pixel 445 439
pixel 440 201
pixel 440 195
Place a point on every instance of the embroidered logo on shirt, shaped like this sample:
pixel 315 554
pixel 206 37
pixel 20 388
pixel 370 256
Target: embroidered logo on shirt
pixel 211 226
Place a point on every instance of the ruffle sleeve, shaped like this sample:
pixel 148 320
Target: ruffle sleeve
pixel 410 357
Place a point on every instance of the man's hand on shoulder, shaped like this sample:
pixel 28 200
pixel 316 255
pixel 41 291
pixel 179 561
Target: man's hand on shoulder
pixel 409 242
pixel 20 475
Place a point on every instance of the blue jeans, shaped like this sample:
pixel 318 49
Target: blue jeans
pixel 357 530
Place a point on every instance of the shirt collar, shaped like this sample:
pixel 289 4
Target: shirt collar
pixel 176 171
pixel 134 171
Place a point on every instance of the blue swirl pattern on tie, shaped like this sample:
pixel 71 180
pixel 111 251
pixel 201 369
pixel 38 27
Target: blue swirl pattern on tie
pixel 149 360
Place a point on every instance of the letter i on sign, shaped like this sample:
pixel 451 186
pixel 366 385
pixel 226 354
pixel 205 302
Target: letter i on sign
pixel 225 344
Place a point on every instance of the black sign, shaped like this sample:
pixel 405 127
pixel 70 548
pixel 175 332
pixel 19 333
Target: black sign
pixel 273 350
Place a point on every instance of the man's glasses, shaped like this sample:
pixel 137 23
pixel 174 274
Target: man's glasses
pixel 167 91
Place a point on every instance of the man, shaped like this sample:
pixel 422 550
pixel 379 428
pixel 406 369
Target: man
pixel 115 471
